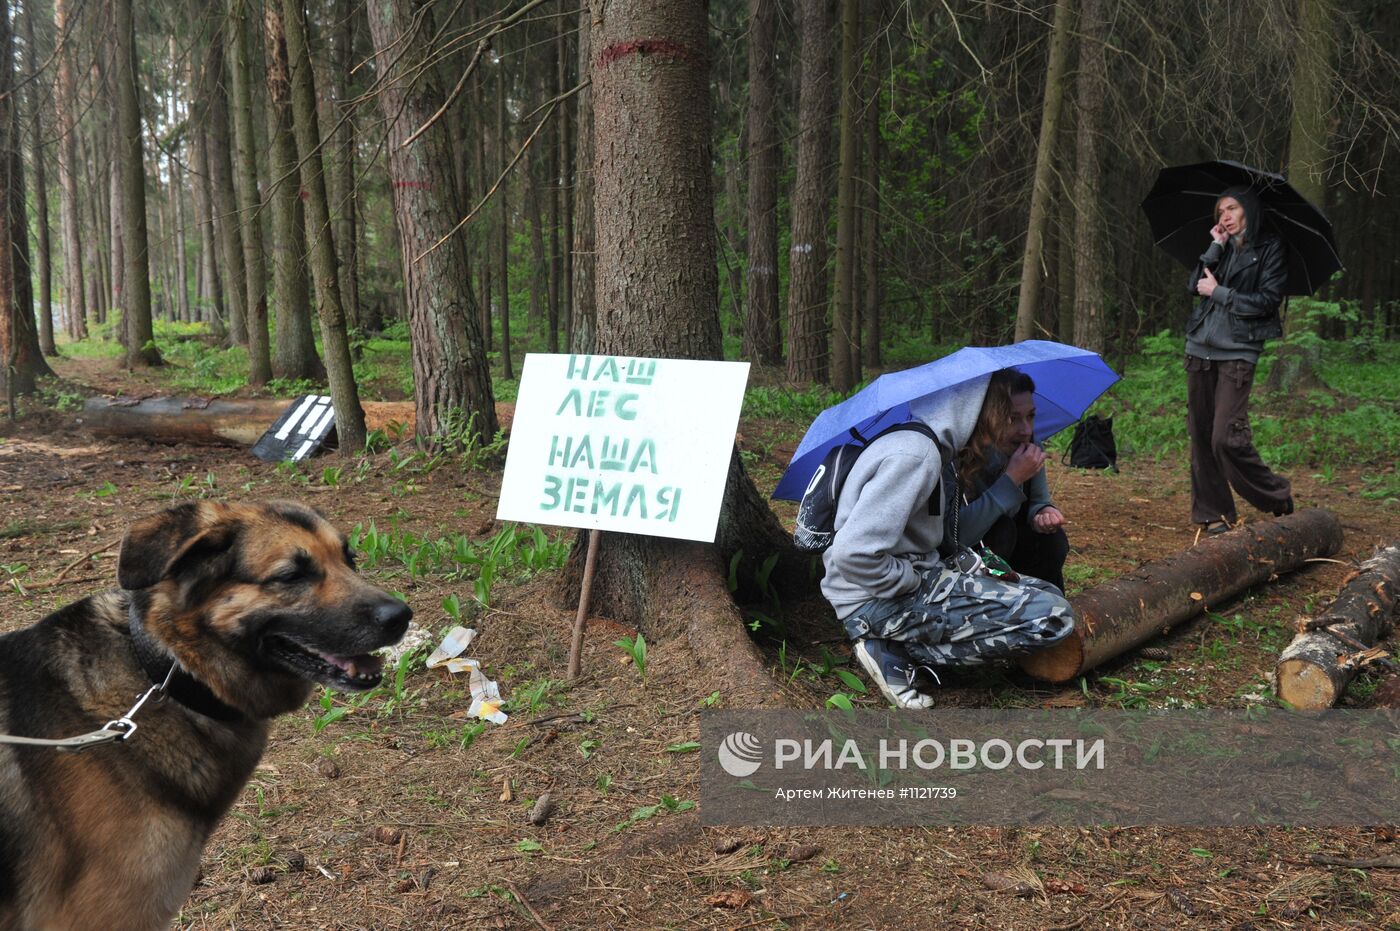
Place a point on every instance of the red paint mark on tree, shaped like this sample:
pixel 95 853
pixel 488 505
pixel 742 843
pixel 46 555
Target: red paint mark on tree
pixel 619 50
pixel 304 195
pixel 414 185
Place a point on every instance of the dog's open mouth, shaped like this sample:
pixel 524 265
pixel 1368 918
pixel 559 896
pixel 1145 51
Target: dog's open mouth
pixel 351 673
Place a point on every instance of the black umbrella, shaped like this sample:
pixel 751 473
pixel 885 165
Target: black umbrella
pixel 1181 210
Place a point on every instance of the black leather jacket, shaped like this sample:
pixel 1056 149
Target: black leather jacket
pixel 1256 279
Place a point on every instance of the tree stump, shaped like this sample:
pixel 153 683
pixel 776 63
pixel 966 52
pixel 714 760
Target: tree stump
pixel 1315 669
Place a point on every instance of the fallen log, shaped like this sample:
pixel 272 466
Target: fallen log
pixel 1133 608
pixel 205 422
pixel 1315 669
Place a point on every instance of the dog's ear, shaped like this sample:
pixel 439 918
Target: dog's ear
pixel 159 546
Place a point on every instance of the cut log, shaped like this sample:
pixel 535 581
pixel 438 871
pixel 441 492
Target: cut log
pixel 1119 615
pixel 205 422
pixel 1315 669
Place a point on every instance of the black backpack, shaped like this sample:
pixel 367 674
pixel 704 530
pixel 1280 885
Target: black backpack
pixel 1092 446
pixel 816 513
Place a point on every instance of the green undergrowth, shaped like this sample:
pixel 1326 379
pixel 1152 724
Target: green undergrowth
pixel 513 554
pixel 1355 422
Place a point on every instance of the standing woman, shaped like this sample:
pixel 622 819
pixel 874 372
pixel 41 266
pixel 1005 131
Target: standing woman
pixel 1240 279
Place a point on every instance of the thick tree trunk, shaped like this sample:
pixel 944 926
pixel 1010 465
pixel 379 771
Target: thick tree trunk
pixel 452 383
pixel 41 186
pixel 1091 88
pixel 295 352
pixel 250 200
pixel 1312 103
pixel 136 278
pixel 762 339
pixel 225 203
pixel 656 287
pixel 74 298
pixel 335 343
pixel 584 328
pixel 807 285
pixel 1315 669
pixel 1042 191
pixel 1132 609
pixel 843 329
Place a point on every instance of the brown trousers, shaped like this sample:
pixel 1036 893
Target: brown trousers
pixel 1222 444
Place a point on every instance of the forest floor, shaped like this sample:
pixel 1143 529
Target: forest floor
pixel 405 814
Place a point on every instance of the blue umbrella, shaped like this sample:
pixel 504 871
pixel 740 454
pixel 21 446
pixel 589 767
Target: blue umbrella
pixel 1067 381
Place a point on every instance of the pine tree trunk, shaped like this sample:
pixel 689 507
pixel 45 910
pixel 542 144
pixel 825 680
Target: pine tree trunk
pixel 762 340
pixel 65 102
pixel 10 309
pixel 1312 100
pixel 539 267
pixel 295 352
pixel 807 287
pixel 551 160
pixel 870 221
pixel 565 181
pixel 487 237
pixel 348 16
pixel 503 223
pixel 177 192
pixel 41 186
pixel 210 290
pixel 843 377
pixel 656 286
pixel 349 416
pixel 452 383
pixel 583 332
pixel 136 277
pixel 1091 88
pixel 250 200
pixel 1042 191
pixel 225 204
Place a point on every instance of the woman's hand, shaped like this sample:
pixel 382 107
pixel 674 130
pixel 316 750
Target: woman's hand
pixel 1048 520
pixel 1025 463
pixel 1217 233
pixel 1206 286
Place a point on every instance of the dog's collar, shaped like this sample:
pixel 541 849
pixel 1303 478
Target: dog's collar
pixel 160 666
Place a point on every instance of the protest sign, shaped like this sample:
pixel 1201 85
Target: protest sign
pixel 621 443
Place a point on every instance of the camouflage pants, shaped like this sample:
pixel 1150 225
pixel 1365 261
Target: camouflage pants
pixel 961 616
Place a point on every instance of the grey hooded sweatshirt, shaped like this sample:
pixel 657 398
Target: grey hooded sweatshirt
pixel 885 534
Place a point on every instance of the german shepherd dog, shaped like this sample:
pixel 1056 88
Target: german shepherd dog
pixel 239 610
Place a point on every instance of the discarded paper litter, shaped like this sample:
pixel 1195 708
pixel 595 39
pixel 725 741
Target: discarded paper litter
pixel 486 695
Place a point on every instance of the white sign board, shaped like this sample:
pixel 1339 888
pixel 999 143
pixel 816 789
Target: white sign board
pixel 619 443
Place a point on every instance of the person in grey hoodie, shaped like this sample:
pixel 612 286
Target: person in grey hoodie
pixel 904 608
pixel 1240 280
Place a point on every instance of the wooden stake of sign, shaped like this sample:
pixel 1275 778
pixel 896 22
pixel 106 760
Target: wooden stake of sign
pixel 1317 666
pixel 586 592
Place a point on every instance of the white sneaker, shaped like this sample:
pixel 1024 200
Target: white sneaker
pixel 892 674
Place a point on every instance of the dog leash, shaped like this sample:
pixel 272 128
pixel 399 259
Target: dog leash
pixel 119 729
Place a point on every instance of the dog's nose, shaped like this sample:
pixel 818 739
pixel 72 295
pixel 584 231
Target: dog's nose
pixel 393 616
